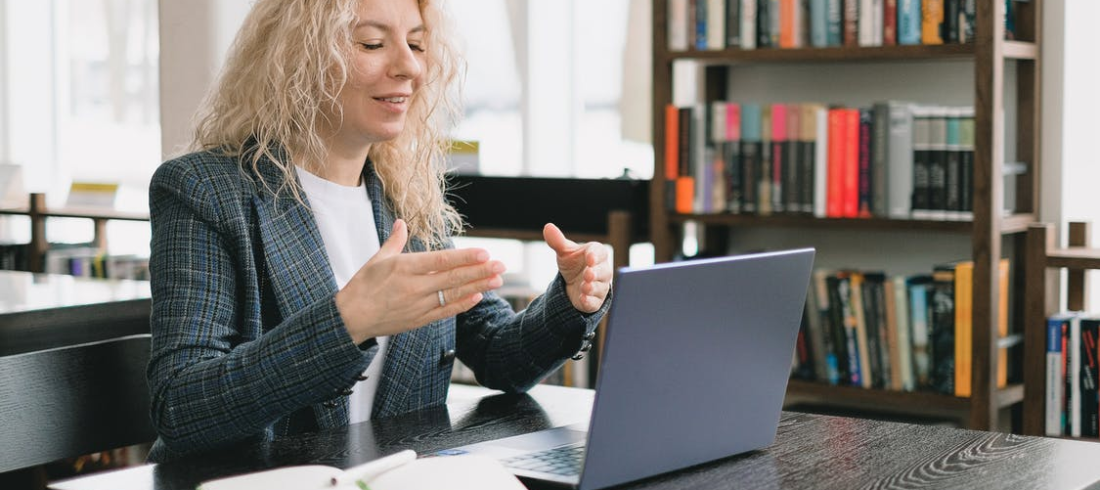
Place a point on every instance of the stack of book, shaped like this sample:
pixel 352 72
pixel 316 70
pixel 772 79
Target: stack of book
pixel 1072 398
pixel 893 160
pixel 753 24
pixel 902 333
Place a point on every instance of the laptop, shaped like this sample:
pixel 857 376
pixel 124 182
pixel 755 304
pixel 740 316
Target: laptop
pixel 694 369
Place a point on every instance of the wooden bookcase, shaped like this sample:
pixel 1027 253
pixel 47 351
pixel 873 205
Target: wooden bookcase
pixel 988 231
pixel 38 213
pixel 1044 260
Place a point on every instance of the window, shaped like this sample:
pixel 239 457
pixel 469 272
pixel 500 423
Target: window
pixel 82 85
pixel 544 97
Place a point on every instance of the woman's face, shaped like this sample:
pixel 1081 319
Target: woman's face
pixel 385 71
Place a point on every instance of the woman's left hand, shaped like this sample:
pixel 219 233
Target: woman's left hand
pixel 584 266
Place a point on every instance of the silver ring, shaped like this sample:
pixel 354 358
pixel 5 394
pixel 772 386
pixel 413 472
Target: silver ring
pixel 442 301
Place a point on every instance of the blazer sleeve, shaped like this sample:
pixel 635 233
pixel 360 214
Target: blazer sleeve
pixel 210 383
pixel 512 351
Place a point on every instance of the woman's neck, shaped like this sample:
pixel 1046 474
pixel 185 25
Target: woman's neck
pixel 344 166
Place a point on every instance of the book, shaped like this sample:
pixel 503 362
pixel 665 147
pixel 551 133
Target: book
pixel 748 24
pixel 398 471
pixel 866 343
pixel 834 205
pixel 922 126
pixel 903 333
pixel 733 23
pixel 716 25
pixel 866 179
pixel 821 159
pixel 937 166
pixel 942 331
pixel 880 169
pixel 834 17
pixel 1090 330
pixel 1071 350
pixel 733 158
pixel 890 23
pixel 909 22
pixel 899 158
pixel 677 25
pixel 780 156
pixel 764 175
pixel 819 23
pixel 931 21
pixel 1054 406
pixel 821 330
pixel 919 312
pixel 964 326
pixel 751 148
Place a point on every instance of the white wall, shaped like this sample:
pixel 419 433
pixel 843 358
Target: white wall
pixel 194 38
pixel 1077 78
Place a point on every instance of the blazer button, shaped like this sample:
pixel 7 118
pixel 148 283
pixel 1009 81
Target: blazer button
pixel 578 357
pixel 361 377
pixel 586 347
pixel 589 335
pixel 329 404
pixel 346 392
pixel 447 357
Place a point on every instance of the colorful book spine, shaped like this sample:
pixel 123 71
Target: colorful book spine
pixel 821 160
pixel 677 25
pixel 733 157
pixel 716 25
pixel 1056 375
pixel 922 162
pixel 931 21
pixel 909 22
pixel 919 315
pixel 851 23
pixel 890 23
pixel 952 167
pixel 748 24
pixel 1090 331
pixel 1072 351
pixel 733 23
pixel 751 148
pixel 964 327
pixel 819 23
pixel 850 163
pixel 866 180
pixel 836 148
pixel 942 305
pixel 779 156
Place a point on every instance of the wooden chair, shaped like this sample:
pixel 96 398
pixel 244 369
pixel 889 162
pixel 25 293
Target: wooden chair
pixel 73 400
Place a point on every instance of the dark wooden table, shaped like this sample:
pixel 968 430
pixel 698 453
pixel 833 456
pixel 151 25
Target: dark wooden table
pixel 810 452
pixel 46 311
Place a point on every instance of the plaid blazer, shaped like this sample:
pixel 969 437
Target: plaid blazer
pixel 246 330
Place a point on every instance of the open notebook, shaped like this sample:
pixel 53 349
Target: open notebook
pixel 399 471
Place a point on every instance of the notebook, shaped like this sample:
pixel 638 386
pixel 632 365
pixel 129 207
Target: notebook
pixel 694 369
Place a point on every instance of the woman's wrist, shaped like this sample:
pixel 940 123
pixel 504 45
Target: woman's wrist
pixel 345 307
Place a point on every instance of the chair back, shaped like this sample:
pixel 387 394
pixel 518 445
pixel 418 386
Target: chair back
pixel 73 400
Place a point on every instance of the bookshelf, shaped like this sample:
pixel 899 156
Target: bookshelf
pixel 990 234
pixel 38 213
pixel 1044 260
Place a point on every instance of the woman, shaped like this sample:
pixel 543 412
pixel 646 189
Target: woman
pixel 301 268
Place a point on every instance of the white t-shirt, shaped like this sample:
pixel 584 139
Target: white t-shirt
pixel 345 218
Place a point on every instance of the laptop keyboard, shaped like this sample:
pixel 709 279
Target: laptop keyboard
pixel 562 460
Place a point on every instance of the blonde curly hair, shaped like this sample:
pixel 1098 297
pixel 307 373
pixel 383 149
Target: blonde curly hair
pixel 284 73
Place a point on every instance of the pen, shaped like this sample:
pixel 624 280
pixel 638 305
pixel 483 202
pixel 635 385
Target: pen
pixel 367 471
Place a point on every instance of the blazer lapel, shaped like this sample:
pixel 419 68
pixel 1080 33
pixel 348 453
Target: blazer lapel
pixel 401 374
pixel 296 264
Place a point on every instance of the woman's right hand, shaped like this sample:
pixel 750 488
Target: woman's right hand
pixel 396 292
